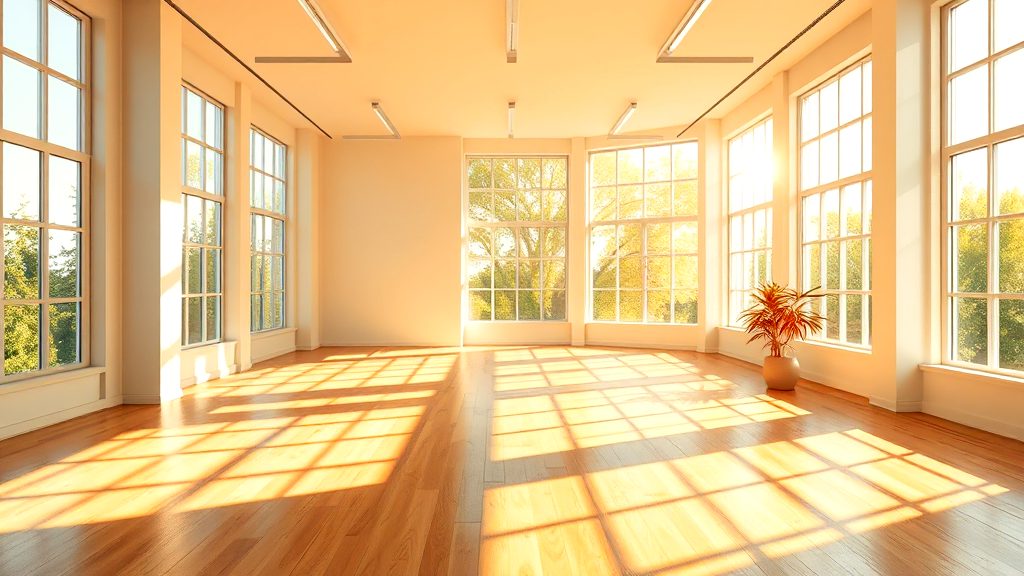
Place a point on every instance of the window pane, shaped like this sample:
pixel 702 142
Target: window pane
pixel 64 42
pixel 1008 16
pixel 192 272
pixel 684 238
pixel 659 272
pixel 605 307
pixel 970 257
pixel 256 313
pixel 479 171
pixel 657 163
pixel 1009 176
pixel 659 238
pixel 812 218
pixel 852 212
pixel 529 274
pixel 21 338
pixel 213 172
pixel 529 243
pixel 193 165
pixel 65 259
pixel 832 316
pixel 686 274
pixel 685 307
pixel 828 100
pixel 829 168
pixel 193 115
pixel 630 166
pixel 809 116
pixel 970 316
pixel 277 244
pixel 830 212
pixel 505 205
pixel 1011 256
pixel 603 203
pixel 505 305
pixel 684 161
pixel 529 305
pixel 480 205
pixel 554 177
pixel 214 121
pixel 22 100
pixel 213 267
pixel 631 307
pixel 21 262
pixel 602 169
pixel 554 305
pixel 812 267
pixel 809 162
pixel 968 101
pixel 631 272
pixel 1011 334
pixel 479 274
pixel 555 205
pixel 1009 88
pixel 504 173
pixel 854 318
pixel 480 242
pixel 554 242
pixel 968 27
pixel 658 200
pixel 479 304
pixel 213 317
pixel 21 179
pixel 849 96
pixel 194 227
pixel 64 195
pixel 64 114
pixel 969 187
pixel 528 203
pixel 529 173
pixel 554 274
pixel 631 202
pixel 684 198
pixel 21 27
pixel 832 267
pixel 505 274
pixel 64 336
pixel 850 150
pixel 659 306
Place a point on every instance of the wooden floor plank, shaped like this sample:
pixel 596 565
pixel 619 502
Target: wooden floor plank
pixel 509 460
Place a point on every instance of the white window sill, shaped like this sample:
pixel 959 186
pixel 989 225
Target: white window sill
pixel 866 351
pixel 49 379
pixel 974 375
pixel 272 333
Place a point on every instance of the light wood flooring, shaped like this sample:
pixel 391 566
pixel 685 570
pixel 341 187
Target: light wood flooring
pixel 509 460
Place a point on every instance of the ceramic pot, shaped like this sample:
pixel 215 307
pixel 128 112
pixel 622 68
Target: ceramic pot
pixel 781 373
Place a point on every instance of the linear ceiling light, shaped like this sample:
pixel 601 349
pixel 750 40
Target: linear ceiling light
pixel 392 131
pixel 320 21
pixel 511 117
pixel 692 15
pixel 621 123
pixel 511 30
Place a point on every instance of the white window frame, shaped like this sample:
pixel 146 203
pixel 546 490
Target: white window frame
pixel 517 226
pixel 84 158
pixel 259 214
pixel 738 289
pixel 988 142
pixel 204 246
pixel 865 179
pixel 644 222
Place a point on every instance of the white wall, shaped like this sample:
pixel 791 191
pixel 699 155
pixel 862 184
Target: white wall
pixel 390 244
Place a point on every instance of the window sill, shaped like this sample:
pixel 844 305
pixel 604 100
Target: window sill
pixel 974 375
pixel 50 379
pixel 262 335
pixel 832 346
pixel 517 322
pixel 655 324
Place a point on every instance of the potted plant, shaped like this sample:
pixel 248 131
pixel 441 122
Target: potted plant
pixel 779 315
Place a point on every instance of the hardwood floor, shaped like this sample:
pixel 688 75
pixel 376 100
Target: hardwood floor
pixel 536 460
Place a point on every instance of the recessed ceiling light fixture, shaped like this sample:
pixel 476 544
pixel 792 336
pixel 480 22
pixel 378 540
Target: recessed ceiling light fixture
pixel 621 123
pixel 324 26
pixel 511 30
pixel 511 117
pixel 392 131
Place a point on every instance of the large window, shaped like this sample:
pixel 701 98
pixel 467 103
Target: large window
pixel 267 201
pixel 835 203
pixel 517 209
pixel 45 181
pixel 750 215
pixel 202 144
pixel 643 234
pixel 983 184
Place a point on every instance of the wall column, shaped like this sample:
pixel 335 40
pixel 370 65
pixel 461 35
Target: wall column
pixel 236 229
pixel 306 223
pixel 578 246
pixel 152 202
pixel 709 234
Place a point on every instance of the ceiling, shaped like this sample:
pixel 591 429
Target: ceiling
pixel 439 68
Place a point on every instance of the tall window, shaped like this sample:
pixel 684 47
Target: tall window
pixel 267 204
pixel 750 214
pixel 45 181
pixel 983 199
pixel 643 234
pixel 835 202
pixel 202 144
pixel 517 231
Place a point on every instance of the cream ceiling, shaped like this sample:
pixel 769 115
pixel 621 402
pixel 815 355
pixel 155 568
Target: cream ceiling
pixel 439 66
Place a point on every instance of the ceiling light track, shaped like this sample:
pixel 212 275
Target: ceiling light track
pixel 392 131
pixel 248 69
pixel 705 59
pixel 511 31
pixel 777 53
pixel 302 60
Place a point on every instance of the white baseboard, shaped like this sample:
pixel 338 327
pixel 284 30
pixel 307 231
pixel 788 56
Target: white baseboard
pixel 140 399
pixel 57 417
pixel 274 354
pixel 1008 429
pixel 640 346
pixel 898 406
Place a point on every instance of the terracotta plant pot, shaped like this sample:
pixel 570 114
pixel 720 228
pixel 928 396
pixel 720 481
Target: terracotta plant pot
pixel 781 373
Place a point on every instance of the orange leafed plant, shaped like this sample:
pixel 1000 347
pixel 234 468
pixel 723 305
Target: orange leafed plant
pixel 779 315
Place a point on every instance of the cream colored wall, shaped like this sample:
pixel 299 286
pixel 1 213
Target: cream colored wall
pixel 390 242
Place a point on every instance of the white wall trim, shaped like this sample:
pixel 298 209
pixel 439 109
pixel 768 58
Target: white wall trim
pixel 140 399
pixel 50 379
pixel 640 345
pixel 1007 429
pixel 208 376
pixel 975 375
pixel 898 406
pixel 58 417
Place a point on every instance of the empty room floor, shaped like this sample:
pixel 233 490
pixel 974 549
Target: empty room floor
pixel 509 460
